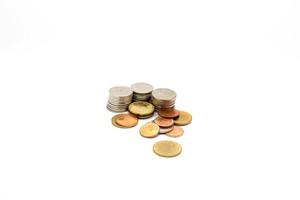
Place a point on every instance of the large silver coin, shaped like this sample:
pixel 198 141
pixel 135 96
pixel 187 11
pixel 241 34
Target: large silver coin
pixel 164 94
pixel 120 91
pixel 142 88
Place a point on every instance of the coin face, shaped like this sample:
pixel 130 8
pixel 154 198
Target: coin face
pixel 120 91
pixel 164 94
pixel 183 119
pixel 163 122
pixel 142 88
pixel 141 108
pixel 167 148
pixel 113 121
pixel 168 113
pixel 176 132
pixel 149 130
pixel 126 120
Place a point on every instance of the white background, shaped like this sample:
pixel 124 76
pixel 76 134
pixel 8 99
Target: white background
pixel 234 64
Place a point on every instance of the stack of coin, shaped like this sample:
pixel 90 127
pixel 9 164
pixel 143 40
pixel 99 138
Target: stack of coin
pixel 163 98
pixel 119 98
pixel 141 91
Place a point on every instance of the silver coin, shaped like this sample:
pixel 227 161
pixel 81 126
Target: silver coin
pixel 164 94
pixel 141 88
pixel 120 91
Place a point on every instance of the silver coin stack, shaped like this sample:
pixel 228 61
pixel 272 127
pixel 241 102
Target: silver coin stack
pixel 141 91
pixel 119 98
pixel 163 98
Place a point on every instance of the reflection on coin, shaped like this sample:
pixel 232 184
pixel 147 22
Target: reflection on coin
pixel 141 108
pixel 142 88
pixel 166 130
pixel 176 132
pixel 166 148
pixel 168 113
pixel 113 121
pixel 183 119
pixel 126 120
pixel 149 130
pixel 163 122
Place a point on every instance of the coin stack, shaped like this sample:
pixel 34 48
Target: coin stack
pixel 163 98
pixel 119 98
pixel 141 91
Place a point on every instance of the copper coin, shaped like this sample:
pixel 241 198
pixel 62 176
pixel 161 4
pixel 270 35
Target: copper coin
pixel 163 122
pixel 176 132
pixel 183 119
pixel 113 121
pixel 149 130
pixel 165 130
pixel 166 148
pixel 168 113
pixel 126 120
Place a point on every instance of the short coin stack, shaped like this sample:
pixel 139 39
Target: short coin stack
pixel 119 98
pixel 163 98
pixel 141 91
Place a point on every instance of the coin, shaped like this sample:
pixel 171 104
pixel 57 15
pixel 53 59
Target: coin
pixel 164 94
pixel 141 88
pixel 167 148
pixel 168 113
pixel 120 91
pixel 165 130
pixel 163 122
pixel 149 130
pixel 176 132
pixel 183 119
pixel 126 120
pixel 141 108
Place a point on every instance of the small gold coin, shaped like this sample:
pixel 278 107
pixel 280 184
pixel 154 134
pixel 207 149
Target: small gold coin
pixel 141 108
pixel 149 130
pixel 176 132
pixel 183 119
pixel 164 122
pixel 126 120
pixel 167 148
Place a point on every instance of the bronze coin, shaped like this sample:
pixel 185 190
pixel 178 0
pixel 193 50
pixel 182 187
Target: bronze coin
pixel 126 120
pixel 164 122
pixel 166 148
pixel 183 119
pixel 168 113
pixel 149 130
pixel 165 130
pixel 176 132
pixel 113 121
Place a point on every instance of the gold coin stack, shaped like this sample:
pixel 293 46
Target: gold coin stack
pixel 168 122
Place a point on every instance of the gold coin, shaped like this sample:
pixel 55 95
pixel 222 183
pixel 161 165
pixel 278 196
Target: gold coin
pixel 176 132
pixel 141 108
pixel 149 130
pixel 183 119
pixel 126 120
pixel 167 148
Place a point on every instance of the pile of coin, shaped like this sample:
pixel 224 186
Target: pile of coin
pixel 163 98
pixel 119 98
pixel 136 101
pixel 141 91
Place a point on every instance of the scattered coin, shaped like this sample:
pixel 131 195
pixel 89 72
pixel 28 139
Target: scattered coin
pixel 163 122
pixel 165 130
pixel 113 121
pixel 166 148
pixel 149 130
pixel 126 120
pixel 183 119
pixel 176 132
pixel 168 113
pixel 141 108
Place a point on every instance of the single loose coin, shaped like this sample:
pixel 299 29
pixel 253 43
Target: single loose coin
pixel 141 108
pixel 126 120
pixel 165 130
pixel 176 132
pixel 166 148
pixel 183 119
pixel 149 130
pixel 113 121
pixel 163 122
pixel 168 113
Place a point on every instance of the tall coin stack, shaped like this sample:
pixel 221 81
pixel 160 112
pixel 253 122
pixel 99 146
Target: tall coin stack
pixel 163 98
pixel 141 91
pixel 119 98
